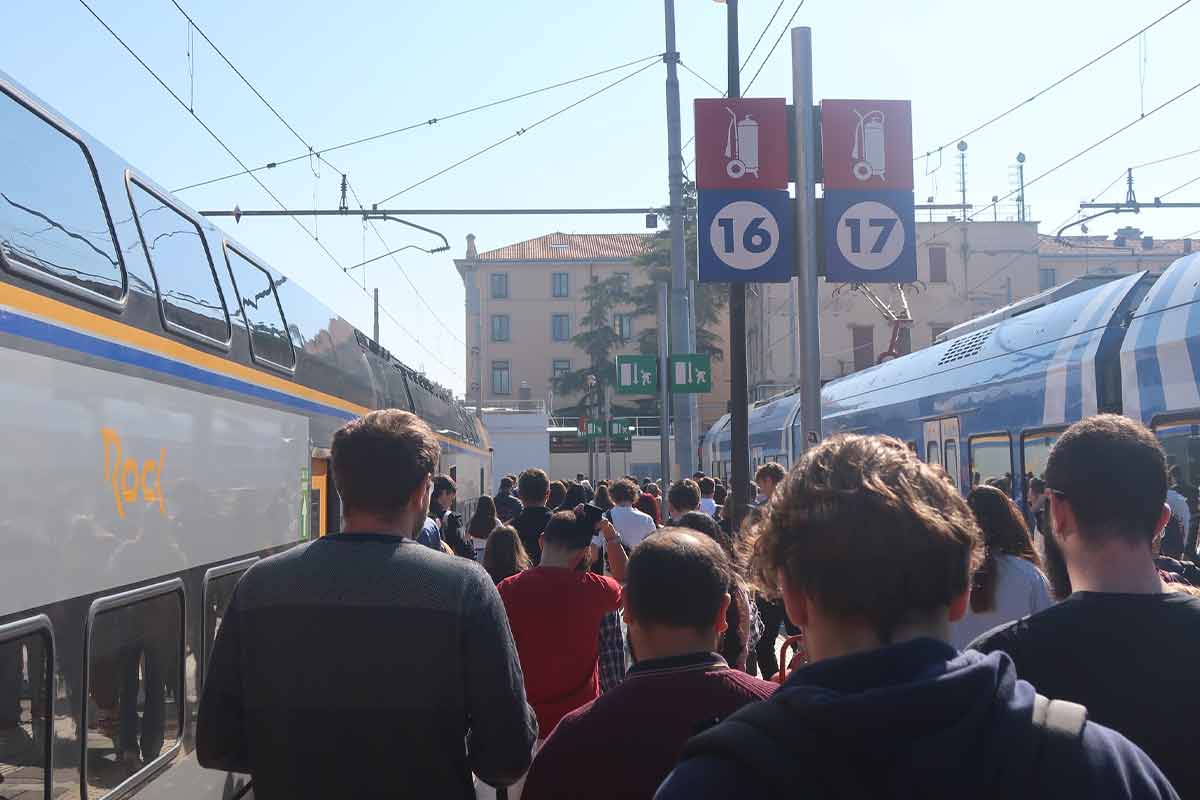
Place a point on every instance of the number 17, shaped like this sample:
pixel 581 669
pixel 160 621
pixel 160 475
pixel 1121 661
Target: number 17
pixel 885 225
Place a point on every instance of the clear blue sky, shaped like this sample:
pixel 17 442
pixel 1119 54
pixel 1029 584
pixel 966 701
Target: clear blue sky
pixel 343 70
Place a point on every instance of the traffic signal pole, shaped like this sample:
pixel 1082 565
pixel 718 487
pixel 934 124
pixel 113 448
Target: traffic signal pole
pixel 738 392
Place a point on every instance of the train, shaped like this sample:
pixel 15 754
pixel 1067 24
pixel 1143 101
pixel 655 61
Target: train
pixel 168 400
pixel 989 399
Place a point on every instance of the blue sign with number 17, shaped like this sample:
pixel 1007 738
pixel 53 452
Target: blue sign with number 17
pixel 870 236
pixel 744 236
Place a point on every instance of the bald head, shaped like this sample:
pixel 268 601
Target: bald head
pixel 677 578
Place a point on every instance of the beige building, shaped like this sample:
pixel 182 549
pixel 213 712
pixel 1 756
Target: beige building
pixel 964 269
pixel 525 301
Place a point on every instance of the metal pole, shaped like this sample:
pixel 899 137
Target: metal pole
pixel 738 393
pixel 1021 194
pixel 806 238
pixel 664 398
pixel 682 330
pixel 607 431
pixel 376 327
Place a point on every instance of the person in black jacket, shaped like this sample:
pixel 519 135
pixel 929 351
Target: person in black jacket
pixel 534 488
pixel 507 506
pixel 364 664
pixel 450 522
pixel 872 552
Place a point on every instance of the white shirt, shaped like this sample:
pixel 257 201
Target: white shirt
pixel 1021 590
pixel 631 524
pixel 708 505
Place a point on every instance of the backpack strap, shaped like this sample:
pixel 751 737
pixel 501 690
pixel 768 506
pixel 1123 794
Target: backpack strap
pixel 1058 728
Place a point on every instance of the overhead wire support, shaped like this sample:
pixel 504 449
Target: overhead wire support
pixel 1092 147
pixel 239 162
pixel 312 153
pixel 519 132
pixel 423 124
pixel 1055 85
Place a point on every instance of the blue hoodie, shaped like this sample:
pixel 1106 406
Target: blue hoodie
pixel 920 720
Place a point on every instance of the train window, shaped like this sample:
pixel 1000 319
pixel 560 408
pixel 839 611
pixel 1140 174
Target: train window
pixel 26 708
pixel 219 583
pixel 952 460
pixel 134 695
pixel 182 267
pixel 54 223
pixel 991 460
pixel 933 453
pixel 1035 449
pixel 1180 439
pixel 270 342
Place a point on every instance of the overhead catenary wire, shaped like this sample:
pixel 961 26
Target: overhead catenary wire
pixel 237 159
pixel 423 124
pixel 519 132
pixel 321 158
pixel 761 34
pixel 1052 86
pixel 778 39
pixel 1090 147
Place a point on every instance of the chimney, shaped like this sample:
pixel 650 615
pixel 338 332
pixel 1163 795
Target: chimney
pixel 1147 242
pixel 472 253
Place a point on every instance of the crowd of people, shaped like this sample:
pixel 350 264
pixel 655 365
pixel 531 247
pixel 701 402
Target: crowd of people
pixel 621 640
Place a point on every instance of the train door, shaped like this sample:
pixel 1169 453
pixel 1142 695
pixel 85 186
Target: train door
pixel 318 497
pixel 942 446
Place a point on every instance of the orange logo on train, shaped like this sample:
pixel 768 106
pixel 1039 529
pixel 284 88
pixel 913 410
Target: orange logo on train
pixel 129 480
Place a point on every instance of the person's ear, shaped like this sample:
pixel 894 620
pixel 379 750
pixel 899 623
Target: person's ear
pixel 721 623
pixel 418 499
pixel 1164 517
pixel 795 603
pixel 541 541
pixel 958 605
pixel 1062 516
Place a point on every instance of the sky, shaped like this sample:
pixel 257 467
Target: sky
pixel 338 72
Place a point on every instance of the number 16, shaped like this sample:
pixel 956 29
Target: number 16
pixel 885 225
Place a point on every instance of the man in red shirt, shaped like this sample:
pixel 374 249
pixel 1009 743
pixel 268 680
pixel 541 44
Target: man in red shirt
pixel 676 594
pixel 555 609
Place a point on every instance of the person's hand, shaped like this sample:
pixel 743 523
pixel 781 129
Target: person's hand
pixel 608 531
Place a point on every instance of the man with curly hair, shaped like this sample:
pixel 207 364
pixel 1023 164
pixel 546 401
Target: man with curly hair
pixel 872 552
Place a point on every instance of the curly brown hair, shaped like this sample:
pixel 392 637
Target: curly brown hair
pixel 868 530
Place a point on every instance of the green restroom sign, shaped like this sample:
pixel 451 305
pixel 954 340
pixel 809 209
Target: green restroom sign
pixel 691 373
pixel 637 374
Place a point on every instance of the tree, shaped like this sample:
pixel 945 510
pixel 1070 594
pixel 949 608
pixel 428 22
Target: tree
pixel 711 298
pixel 599 338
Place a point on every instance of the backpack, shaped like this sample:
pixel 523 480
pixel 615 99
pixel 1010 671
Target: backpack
pixel 765 741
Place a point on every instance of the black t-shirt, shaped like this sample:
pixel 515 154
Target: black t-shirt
pixel 1132 659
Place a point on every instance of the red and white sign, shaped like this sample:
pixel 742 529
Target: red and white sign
pixel 741 143
pixel 866 144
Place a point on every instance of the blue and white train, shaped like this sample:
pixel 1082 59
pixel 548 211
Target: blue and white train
pixel 167 401
pixel 990 399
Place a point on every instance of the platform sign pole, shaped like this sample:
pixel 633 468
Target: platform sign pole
pixel 664 397
pixel 806 241
pixel 739 393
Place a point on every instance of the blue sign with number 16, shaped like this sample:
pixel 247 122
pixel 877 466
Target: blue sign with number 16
pixel 744 236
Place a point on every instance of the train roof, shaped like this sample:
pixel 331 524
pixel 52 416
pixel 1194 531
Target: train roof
pixel 958 362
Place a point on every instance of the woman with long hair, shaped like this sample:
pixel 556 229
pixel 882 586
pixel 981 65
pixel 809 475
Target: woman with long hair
pixel 648 504
pixel 573 497
pixel 1010 584
pixel 602 498
pixel 504 555
pixel 482 523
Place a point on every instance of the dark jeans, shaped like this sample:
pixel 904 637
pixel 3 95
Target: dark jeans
pixel 772 613
pixel 152 724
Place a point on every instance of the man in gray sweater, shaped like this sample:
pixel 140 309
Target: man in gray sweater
pixel 363 664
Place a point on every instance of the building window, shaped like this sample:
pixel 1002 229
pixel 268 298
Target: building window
pixel 937 329
pixel 500 328
pixel 1047 279
pixel 560 367
pixel 560 284
pixel 499 285
pixel 904 342
pixel 501 378
pixel 937 264
pixel 560 327
pixel 864 345
pixel 624 326
pixel 135 699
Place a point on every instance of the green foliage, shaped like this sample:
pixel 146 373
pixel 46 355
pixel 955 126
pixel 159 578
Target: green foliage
pixel 711 298
pixel 598 337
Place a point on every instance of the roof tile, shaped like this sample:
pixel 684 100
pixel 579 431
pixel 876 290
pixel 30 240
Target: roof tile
pixel 572 247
